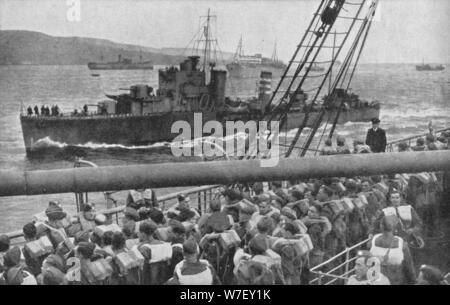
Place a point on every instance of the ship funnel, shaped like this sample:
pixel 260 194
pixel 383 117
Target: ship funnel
pixel 265 87
pixel 190 64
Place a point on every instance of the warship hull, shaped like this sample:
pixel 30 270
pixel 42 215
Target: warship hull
pixel 142 129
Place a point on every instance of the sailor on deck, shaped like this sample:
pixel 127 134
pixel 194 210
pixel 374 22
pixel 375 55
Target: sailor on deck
pixel 376 137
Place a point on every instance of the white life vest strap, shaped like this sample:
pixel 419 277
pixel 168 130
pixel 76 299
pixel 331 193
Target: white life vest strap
pixel 230 218
pixel 177 246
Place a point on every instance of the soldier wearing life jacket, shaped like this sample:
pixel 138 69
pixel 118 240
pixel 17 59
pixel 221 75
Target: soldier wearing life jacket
pixel 4 247
pixel 157 255
pixel 183 211
pixel 409 225
pixel 53 271
pixel 15 273
pixel 318 228
pixel 430 275
pixel 393 253
pixel 232 198
pixel 84 252
pixel 294 265
pixel 217 221
pixel 328 148
pixel 177 237
pixel 107 242
pixel 336 240
pixel 264 209
pixel 259 249
pixel 121 275
pixel 34 263
pixel 280 192
pixel 139 198
pixel 243 227
pixel 192 270
pixel 362 274
pixel 86 217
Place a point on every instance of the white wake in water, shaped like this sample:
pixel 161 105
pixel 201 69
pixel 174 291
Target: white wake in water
pixel 47 142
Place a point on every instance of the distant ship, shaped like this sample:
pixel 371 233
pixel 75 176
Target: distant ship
pixel 244 64
pixel 192 93
pixel 427 67
pixel 122 64
pixel 145 115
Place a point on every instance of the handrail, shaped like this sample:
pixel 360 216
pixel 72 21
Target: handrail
pixel 415 136
pixel 19 233
pixel 339 254
pixel 336 277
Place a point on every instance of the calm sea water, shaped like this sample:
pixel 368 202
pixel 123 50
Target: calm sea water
pixel 409 100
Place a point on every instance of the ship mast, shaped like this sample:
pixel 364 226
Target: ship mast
pixel 295 82
pixel 238 54
pixel 207 50
pixel 274 54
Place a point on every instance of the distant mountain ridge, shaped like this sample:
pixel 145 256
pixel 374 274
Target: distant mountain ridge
pixel 18 47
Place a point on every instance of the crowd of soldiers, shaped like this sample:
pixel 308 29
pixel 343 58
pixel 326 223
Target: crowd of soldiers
pixel 45 110
pixel 252 234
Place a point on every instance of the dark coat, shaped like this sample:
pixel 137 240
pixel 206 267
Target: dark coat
pixel 376 140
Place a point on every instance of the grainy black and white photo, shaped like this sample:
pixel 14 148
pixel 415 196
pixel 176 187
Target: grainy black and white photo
pixel 224 142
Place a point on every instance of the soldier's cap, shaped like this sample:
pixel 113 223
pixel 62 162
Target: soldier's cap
pixel 55 211
pixel 12 257
pixel 375 120
pixel 4 243
pixel 183 197
pixel 88 207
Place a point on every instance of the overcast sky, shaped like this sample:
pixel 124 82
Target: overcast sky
pixel 407 30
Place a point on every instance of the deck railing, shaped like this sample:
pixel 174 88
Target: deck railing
pixel 346 268
pixel 201 196
pixel 408 140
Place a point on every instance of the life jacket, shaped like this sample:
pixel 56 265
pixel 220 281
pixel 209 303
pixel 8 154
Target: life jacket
pixel 256 217
pixel 229 239
pixel 101 230
pixel 100 269
pixel 27 278
pixel 205 277
pixel 160 252
pixel 301 243
pixel 129 260
pixel 86 225
pixel 348 204
pixel 250 272
pixel 270 258
pixel 39 248
pixel 291 257
pixel 335 206
pixel 404 212
pixel 163 233
pixel 137 199
pixel 388 256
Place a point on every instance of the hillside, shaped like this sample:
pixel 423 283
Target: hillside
pixel 26 47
